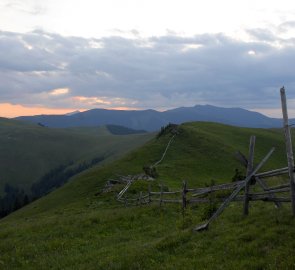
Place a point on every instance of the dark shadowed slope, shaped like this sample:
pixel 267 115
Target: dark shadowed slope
pixel 29 151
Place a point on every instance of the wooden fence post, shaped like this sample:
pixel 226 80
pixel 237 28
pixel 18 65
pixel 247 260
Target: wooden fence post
pixel 161 195
pixel 249 170
pixel 140 197
pixel 234 194
pixel 149 192
pixel 184 191
pixel 289 149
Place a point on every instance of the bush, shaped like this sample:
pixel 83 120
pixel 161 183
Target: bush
pixel 238 176
pixel 150 171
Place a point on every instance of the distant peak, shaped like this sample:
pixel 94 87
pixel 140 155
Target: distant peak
pixel 204 105
pixel 72 113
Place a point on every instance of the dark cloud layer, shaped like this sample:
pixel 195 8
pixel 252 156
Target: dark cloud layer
pixel 155 72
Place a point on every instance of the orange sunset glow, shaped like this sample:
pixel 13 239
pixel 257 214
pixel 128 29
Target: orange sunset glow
pixel 9 110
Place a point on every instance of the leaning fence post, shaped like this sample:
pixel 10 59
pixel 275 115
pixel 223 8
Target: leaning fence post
pixel 184 190
pixel 161 195
pixel 249 171
pixel 234 194
pixel 289 149
pixel 140 197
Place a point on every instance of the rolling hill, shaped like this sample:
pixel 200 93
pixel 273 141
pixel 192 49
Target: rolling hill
pixel 74 227
pixel 152 120
pixel 29 151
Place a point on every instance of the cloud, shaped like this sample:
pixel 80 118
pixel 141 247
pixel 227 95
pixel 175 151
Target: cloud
pixel 30 7
pixel 59 91
pixel 157 72
pixel 262 34
pixel 287 26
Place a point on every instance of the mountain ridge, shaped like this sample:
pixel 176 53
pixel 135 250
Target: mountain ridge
pixel 152 120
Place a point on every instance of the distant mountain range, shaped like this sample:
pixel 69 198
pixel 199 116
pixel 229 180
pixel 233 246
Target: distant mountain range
pixel 152 120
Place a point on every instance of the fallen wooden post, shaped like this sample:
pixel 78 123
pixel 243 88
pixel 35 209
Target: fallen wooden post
pixel 124 190
pixel 234 194
pixel 266 188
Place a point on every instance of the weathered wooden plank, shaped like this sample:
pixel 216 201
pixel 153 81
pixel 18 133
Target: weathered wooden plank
pixel 184 191
pixel 172 201
pixel 236 199
pixel 166 192
pixel 277 187
pixel 235 193
pixel 265 188
pixel 167 200
pixel 172 192
pixel 273 173
pixel 270 199
pixel 226 186
pixel 140 197
pixel 198 200
pixel 131 200
pixel 161 195
pixel 124 190
pixel 241 198
pixel 155 193
pixel 289 149
pixel 249 170
pixel 287 189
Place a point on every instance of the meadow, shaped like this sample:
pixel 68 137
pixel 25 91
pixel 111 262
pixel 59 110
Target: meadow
pixel 74 227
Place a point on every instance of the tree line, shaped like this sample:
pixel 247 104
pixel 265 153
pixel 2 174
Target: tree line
pixel 15 198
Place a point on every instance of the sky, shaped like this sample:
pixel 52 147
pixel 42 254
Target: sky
pixel 58 56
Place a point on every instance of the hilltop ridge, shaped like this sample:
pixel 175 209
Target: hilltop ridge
pixel 80 224
pixel 152 120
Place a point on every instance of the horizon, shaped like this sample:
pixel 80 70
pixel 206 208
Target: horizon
pixel 114 56
pixel 66 111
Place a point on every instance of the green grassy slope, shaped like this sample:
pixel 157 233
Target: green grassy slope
pixel 72 228
pixel 28 151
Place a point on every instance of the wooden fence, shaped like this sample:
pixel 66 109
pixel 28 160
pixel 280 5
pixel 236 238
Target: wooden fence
pixel 187 196
pixel 253 178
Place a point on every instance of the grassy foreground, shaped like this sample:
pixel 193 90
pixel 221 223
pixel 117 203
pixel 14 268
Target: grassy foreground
pixel 72 228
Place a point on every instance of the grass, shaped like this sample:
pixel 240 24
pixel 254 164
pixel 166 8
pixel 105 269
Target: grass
pixel 28 151
pixel 72 228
